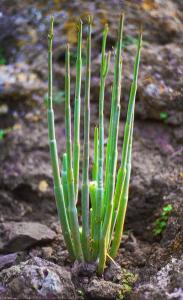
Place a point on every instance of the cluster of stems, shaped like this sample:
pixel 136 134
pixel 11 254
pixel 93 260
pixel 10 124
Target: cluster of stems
pixel 96 236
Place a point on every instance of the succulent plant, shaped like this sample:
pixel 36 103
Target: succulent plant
pixel 96 237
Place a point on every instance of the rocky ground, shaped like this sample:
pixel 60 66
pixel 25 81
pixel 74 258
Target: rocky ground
pixel 34 263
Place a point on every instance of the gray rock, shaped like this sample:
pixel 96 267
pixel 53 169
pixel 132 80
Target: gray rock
pixel 36 279
pixel 7 260
pixel 17 236
pixel 167 283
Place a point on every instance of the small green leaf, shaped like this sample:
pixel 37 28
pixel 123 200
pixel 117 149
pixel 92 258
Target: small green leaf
pixel 2 134
pixel 2 56
pixel 161 222
pixel 167 208
pixel 157 231
pixel 163 116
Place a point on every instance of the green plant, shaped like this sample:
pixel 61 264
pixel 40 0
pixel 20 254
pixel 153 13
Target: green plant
pixel 161 222
pixel 104 198
pixel 4 132
pixel 163 115
pixel 2 56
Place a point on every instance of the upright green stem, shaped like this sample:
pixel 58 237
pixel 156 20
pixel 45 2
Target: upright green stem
pixel 64 180
pixel 85 180
pixel 104 238
pixel 73 219
pixel 115 95
pixel 95 163
pixel 122 203
pixel 105 60
pixel 76 148
pixel 121 181
pixel 92 190
pixel 59 196
pixel 112 152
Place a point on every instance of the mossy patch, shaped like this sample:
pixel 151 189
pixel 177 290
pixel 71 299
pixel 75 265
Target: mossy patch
pixel 127 281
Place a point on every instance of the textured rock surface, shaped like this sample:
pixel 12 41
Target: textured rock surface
pixel 162 91
pixel 7 260
pixel 17 82
pixel 36 279
pixel 116 283
pixel 103 290
pixel 17 236
pixel 167 283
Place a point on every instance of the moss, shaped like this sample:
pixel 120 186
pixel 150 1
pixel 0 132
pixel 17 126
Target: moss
pixel 127 281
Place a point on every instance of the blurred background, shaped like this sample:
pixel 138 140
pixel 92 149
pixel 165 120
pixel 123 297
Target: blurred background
pixel 26 189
